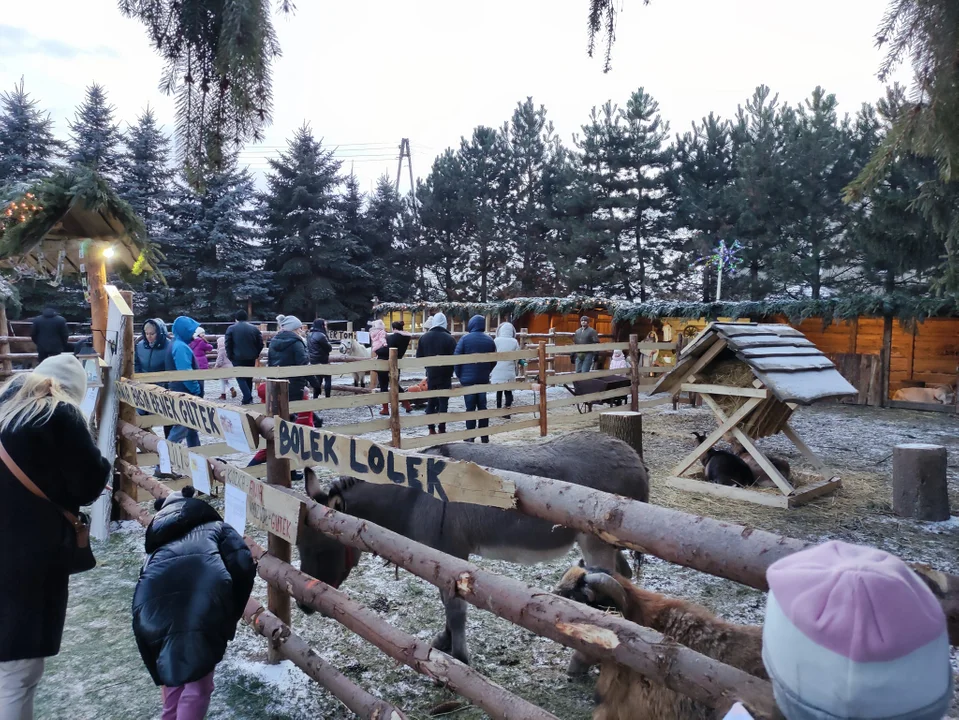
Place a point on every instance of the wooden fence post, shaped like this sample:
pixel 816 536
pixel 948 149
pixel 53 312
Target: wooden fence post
pixel 99 304
pixel 395 398
pixel 634 373
pixel 127 450
pixel 277 473
pixel 541 361
pixel 886 358
pixel 919 488
pixel 7 364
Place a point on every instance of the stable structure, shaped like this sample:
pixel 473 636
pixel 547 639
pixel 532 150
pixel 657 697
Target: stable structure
pixel 753 377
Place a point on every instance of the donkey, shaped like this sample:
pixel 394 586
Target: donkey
pixel 351 348
pixel 584 458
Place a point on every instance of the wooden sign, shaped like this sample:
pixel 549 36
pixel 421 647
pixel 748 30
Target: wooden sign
pixel 267 507
pixel 447 480
pixel 184 409
pixel 339 335
pixel 237 429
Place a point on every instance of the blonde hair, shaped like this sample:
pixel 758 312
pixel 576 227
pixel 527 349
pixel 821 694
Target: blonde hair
pixel 32 403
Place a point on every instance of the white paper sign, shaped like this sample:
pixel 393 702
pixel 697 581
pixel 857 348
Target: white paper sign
pixel 233 426
pixel 200 473
pixel 163 450
pixel 89 404
pixel 363 337
pixel 738 712
pixel 235 509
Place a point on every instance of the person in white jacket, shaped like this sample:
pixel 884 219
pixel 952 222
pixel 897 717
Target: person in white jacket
pixel 504 370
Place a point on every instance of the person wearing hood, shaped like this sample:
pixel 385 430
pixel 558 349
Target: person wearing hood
pixel 191 594
pixel 618 361
pixel 435 342
pixel 151 348
pixel 585 335
pixel 49 333
pixel 46 441
pixel 180 357
pixel 200 348
pixel 287 349
pixel 474 342
pixel 319 347
pixel 505 370
pixel 377 336
pixel 223 361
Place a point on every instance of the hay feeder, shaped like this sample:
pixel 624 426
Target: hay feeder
pixel 753 376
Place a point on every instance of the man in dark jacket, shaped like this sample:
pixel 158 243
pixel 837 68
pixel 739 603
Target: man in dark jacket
pixel 437 341
pixel 475 341
pixel 244 343
pixel 191 594
pixel 318 347
pixel 50 334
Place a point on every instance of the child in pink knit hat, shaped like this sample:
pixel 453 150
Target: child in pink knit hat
pixel 851 633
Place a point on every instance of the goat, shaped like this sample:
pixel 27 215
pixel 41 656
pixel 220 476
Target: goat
pixel 723 467
pixel 940 394
pixel 590 459
pixel 623 693
pixel 351 348
pixel 762 477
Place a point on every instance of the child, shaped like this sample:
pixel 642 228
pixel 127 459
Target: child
pixel 191 593
pixel 200 348
pixel 222 361
pixel 619 361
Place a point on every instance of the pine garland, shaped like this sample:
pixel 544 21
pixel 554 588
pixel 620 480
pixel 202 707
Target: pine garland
pixel 906 308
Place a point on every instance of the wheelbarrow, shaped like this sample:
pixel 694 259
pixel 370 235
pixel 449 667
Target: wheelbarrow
pixel 596 385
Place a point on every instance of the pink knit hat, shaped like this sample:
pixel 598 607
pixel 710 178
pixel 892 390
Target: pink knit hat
pixel 852 633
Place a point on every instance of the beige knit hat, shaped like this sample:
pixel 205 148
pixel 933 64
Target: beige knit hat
pixel 69 372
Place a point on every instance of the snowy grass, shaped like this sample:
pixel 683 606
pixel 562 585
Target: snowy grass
pixel 98 674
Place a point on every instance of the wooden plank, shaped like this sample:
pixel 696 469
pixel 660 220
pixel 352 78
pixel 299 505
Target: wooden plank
pixel 563 378
pixel 925 407
pixel 184 409
pixel 592 347
pixel 473 390
pixel 361 428
pixel 331 403
pixel 725 426
pixel 591 397
pixel 446 360
pixel 152 421
pixel 264 372
pixel 727 491
pixel 430 440
pixel 779 351
pixel 447 480
pixel 270 507
pixel 771 470
pixel 422 420
pixel 810 492
pixel 725 390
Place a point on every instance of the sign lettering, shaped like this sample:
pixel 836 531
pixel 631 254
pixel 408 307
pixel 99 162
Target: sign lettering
pixel 444 479
pixel 267 507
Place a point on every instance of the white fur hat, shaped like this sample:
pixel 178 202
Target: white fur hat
pixel 69 372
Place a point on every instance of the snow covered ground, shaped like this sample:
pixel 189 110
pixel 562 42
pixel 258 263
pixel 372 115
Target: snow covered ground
pixel 98 674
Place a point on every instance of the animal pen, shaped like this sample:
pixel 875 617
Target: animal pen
pixel 721 549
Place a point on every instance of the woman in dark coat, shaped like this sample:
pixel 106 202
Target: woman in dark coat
pixel 318 348
pixel 288 349
pixel 46 436
pixel 190 596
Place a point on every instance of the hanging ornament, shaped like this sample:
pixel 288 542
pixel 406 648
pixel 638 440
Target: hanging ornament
pixel 726 259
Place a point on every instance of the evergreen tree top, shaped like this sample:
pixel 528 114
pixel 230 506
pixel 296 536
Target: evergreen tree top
pixel 27 145
pixel 95 137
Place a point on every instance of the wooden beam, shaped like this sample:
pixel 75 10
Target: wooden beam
pixel 278 473
pixel 725 390
pixel 727 491
pixel 409 421
pixel 543 406
pixel 713 438
pixel 429 440
pixel 803 448
pixel 815 490
pixel 771 470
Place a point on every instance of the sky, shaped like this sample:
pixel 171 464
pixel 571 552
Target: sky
pixel 366 73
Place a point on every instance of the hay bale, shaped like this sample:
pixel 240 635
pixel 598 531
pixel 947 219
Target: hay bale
pixel 732 373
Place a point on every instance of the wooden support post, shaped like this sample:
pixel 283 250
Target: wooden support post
pixel 277 473
pixel 4 344
pixel 541 361
pixel 127 450
pixel 919 488
pixel 633 379
pixel 396 440
pixel 886 358
pixel 627 426
pixel 99 303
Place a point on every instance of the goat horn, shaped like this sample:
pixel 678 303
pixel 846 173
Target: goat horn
pixel 609 587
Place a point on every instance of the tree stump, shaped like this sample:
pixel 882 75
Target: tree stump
pixel 919 482
pixel 625 425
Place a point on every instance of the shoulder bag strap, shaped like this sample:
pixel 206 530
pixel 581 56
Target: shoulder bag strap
pixel 18 473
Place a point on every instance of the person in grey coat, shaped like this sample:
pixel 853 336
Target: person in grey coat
pixel 585 335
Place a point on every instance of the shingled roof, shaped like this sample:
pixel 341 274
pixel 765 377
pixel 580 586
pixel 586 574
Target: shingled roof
pixel 781 357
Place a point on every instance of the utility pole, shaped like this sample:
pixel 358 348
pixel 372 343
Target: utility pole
pixel 405 153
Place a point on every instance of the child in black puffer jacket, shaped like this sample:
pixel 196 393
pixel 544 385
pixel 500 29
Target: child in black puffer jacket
pixel 191 594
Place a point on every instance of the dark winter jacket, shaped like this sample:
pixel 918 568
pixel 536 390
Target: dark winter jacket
pixel 50 334
pixel 179 355
pixel 474 342
pixel 400 341
pixel 191 593
pixel 152 358
pixel 318 344
pixel 35 539
pixel 437 341
pixel 287 349
pixel 244 343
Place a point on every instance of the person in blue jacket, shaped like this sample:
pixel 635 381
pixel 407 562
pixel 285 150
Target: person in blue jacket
pixel 181 357
pixel 151 349
pixel 475 341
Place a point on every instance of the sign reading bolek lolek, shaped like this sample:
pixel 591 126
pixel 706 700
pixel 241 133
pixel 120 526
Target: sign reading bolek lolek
pixel 445 479
pixel 185 410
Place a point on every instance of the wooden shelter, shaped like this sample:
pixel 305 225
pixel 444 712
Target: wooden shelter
pixel 752 377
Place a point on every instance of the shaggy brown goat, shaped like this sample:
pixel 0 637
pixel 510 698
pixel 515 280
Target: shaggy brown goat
pixel 623 693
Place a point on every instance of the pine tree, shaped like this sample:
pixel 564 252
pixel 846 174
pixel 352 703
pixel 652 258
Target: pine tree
pixel 145 178
pixel 95 139
pixel 389 227
pixel 309 251
pixel 442 251
pixel 27 145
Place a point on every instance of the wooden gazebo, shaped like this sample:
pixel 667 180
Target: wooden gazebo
pixel 753 377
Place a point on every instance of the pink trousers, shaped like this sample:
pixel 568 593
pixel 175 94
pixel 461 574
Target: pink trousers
pixel 188 702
